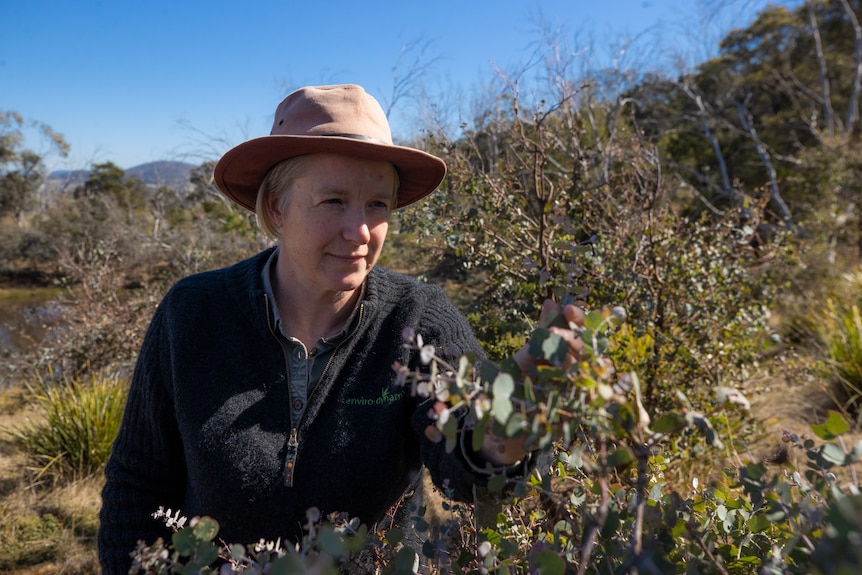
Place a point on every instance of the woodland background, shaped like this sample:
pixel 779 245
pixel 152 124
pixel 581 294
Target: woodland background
pixel 720 208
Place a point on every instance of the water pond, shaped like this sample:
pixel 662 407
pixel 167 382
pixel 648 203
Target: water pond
pixel 26 315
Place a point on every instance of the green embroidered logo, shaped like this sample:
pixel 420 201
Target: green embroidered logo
pixel 385 397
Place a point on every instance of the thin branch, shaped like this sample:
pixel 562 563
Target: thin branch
pixel 405 78
pixel 702 178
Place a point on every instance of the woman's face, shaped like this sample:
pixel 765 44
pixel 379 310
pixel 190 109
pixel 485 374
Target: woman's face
pixel 334 222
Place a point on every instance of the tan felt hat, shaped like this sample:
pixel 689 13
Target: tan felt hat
pixel 342 119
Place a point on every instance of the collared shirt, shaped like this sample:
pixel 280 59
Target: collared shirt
pixel 306 366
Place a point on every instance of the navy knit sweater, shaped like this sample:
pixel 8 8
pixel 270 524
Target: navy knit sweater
pixel 207 427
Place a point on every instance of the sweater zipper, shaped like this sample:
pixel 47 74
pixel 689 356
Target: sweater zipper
pixel 293 441
pixel 290 461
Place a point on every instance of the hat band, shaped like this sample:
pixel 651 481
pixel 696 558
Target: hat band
pixel 358 137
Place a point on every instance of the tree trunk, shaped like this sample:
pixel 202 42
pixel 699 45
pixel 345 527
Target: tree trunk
pixel 825 93
pixel 774 193
pixel 710 136
pixel 853 105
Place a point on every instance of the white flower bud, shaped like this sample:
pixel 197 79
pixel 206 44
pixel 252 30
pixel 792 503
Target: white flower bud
pixel 427 354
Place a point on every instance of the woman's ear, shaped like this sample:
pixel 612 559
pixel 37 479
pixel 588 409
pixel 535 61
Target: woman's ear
pixel 273 207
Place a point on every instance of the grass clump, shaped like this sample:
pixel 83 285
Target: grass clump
pixel 81 418
pixel 842 337
pixel 28 539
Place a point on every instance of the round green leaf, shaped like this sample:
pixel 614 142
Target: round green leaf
pixel 669 422
pixel 621 458
pixel 184 542
pixel 331 543
pixel 832 454
pixel 758 523
pixel 496 483
pixel 547 563
pixel 502 389
pixel 834 426
pixel 206 529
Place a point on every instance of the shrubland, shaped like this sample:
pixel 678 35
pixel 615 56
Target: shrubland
pixel 708 222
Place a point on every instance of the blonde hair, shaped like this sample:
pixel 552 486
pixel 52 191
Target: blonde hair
pixel 278 183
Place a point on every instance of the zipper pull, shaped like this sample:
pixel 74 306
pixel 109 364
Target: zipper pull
pixel 290 464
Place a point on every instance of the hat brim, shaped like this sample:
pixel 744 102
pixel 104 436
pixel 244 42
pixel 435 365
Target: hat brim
pixel 240 172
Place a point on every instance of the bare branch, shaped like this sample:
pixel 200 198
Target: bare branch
pixel 405 77
pixel 809 117
pixel 203 146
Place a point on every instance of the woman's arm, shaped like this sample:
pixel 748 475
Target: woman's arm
pixel 145 469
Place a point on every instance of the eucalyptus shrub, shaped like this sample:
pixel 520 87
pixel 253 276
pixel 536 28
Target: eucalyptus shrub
pixel 700 297
pixel 562 197
pixel 113 270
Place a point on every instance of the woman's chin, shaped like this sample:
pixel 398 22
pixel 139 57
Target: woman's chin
pixel 349 283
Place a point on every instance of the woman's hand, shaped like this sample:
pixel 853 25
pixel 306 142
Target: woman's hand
pixel 502 451
pixel 574 319
pixel 510 450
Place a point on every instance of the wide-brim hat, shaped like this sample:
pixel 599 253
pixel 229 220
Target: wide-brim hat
pixel 342 119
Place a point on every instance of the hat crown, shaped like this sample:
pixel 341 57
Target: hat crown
pixel 344 110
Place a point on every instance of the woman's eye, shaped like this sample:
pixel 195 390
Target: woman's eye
pixel 333 201
pixel 380 205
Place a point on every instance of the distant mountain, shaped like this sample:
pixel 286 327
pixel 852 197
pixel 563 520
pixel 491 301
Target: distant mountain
pixel 171 174
pixel 174 175
pixel 68 178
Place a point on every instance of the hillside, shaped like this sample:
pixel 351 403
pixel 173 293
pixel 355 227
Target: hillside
pixel 155 174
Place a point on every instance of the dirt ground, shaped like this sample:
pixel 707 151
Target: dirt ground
pixel 793 401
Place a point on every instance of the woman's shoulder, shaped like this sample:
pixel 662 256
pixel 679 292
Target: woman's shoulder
pixel 246 272
pixel 238 280
pixel 389 290
pixel 389 284
pixel 423 306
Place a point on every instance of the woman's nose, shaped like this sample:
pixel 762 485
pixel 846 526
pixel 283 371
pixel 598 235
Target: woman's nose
pixel 356 228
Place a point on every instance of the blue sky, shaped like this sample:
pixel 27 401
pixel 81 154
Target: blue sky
pixel 133 81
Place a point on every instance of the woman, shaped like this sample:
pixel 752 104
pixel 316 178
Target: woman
pixel 267 388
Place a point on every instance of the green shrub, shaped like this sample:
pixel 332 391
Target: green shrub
pixel 28 540
pixel 81 420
